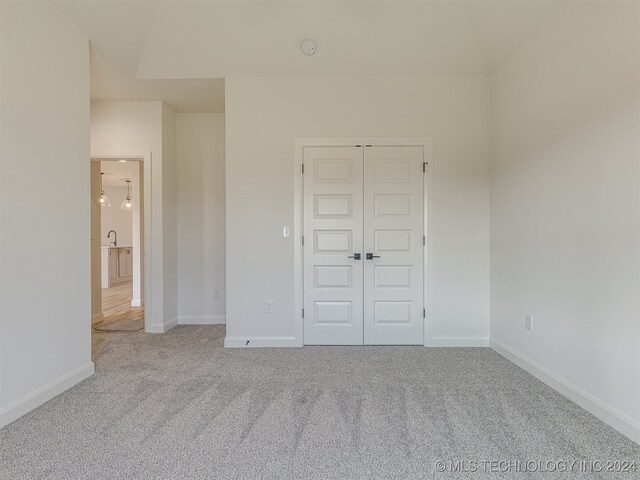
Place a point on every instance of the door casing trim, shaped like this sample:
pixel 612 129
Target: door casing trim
pixel 299 144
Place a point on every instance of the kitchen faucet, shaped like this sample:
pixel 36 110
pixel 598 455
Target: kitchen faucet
pixel 115 237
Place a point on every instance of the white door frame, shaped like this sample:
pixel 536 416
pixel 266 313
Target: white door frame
pixel 146 253
pixel 298 214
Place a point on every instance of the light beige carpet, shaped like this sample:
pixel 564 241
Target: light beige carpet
pixel 180 406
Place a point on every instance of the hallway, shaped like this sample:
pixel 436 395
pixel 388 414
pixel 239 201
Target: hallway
pixel 116 304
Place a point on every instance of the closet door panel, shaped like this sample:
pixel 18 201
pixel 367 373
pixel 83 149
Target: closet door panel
pixel 333 277
pixel 393 233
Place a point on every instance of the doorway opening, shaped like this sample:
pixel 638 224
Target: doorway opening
pixel 117 279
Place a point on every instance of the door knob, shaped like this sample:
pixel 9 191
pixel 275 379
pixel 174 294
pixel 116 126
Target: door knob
pixel 371 256
pixel 355 256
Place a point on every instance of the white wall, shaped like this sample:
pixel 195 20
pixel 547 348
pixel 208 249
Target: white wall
pixel 169 215
pixel 264 115
pixel 201 217
pixel 96 264
pixel 44 119
pixel 137 236
pixel 114 218
pixel 135 129
pixel 565 224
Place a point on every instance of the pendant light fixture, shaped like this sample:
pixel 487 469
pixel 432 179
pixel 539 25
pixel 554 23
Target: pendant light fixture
pixel 126 203
pixel 104 200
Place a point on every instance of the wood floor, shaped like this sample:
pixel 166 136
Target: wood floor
pixel 116 304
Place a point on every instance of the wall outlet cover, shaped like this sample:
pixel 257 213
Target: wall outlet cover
pixel 528 322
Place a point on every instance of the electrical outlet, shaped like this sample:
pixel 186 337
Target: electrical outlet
pixel 528 322
pixel 269 306
pixel 216 293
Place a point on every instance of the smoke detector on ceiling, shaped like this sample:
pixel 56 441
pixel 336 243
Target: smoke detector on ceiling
pixel 308 47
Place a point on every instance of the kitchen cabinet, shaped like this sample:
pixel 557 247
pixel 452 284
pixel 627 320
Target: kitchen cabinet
pixel 116 265
pixel 125 265
pixel 113 264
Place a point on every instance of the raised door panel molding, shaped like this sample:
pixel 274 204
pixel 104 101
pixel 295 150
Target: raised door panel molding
pixel 333 276
pixel 332 313
pixel 333 241
pixel 338 170
pixel 332 206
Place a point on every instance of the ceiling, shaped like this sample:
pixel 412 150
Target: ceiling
pixel 116 173
pixel 180 51
pixel 110 82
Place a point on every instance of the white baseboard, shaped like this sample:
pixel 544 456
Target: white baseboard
pixel 32 400
pixel 96 317
pixel 137 302
pixel 242 342
pixel 605 412
pixel 236 342
pixel 162 327
pixel 171 324
pixel 469 341
pixel 202 320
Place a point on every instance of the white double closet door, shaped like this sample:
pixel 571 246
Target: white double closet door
pixel 363 245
